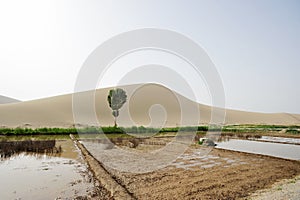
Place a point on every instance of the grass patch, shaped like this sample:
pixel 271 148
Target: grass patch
pixel 260 128
pixel 292 131
pixel 142 129
pixel 292 182
pixel 279 188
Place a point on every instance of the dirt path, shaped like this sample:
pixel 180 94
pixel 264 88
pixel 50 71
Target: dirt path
pixel 285 189
pixel 113 189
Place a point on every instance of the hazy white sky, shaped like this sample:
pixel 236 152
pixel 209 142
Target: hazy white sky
pixel 255 45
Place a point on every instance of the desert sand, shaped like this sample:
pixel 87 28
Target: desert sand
pixel 5 100
pixel 57 111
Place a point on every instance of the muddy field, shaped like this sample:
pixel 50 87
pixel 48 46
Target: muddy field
pixel 45 169
pixel 220 175
pixel 58 170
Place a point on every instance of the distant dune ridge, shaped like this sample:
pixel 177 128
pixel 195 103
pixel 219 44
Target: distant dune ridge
pixel 5 100
pixel 57 111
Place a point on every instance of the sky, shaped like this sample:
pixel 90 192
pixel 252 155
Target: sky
pixel 254 44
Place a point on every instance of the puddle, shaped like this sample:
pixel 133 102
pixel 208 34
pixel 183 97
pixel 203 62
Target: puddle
pixel 287 151
pixel 43 169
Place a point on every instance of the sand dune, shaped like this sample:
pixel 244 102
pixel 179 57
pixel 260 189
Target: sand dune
pixel 57 111
pixel 5 100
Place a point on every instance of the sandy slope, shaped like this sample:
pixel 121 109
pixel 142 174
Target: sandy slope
pixel 5 100
pixel 57 111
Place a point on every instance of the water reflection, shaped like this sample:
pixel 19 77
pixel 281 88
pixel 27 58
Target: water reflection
pixel 283 140
pixel 46 147
pixel 288 151
pixel 42 168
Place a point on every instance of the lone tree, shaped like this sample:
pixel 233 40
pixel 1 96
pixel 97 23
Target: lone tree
pixel 116 99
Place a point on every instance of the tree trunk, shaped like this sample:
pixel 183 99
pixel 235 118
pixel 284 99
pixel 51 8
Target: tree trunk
pixel 115 121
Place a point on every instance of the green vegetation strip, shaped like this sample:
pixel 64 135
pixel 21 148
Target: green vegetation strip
pixel 120 130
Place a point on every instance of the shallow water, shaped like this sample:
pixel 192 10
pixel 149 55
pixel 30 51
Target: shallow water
pixel 288 151
pixel 35 175
pixel 279 139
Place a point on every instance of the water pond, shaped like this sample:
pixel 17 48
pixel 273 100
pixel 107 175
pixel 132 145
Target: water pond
pixel 269 147
pixel 283 140
pixel 43 168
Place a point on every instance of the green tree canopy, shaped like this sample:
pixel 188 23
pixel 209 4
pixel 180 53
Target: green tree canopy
pixel 116 99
